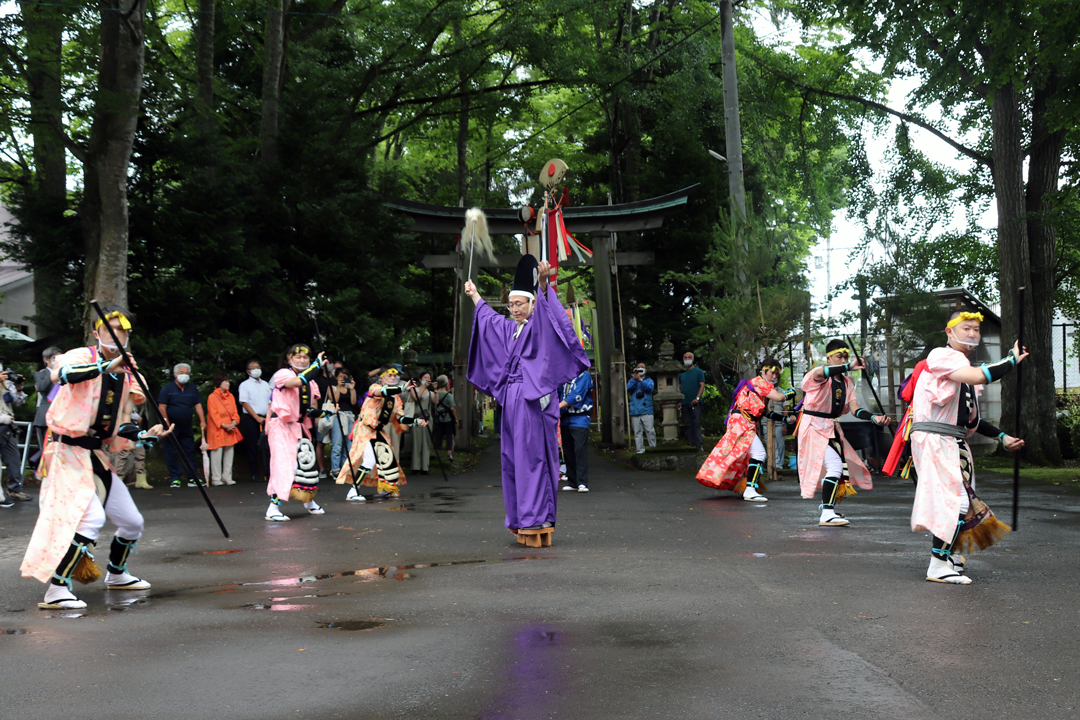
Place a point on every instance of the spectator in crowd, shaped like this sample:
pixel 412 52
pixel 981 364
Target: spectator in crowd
pixel 779 428
pixel 132 460
pixel 342 396
pixel 575 406
pixel 321 440
pixel 222 432
pixel 254 405
pixel 12 396
pixel 46 391
pixel 418 404
pixel 446 420
pixel 178 401
pixel 692 384
pixel 640 388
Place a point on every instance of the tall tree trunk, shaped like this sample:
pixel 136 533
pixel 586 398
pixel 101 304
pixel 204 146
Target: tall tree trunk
pixel 43 30
pixel 104 214
pixel 271 84
pixel 1014 263
pixel 1044 164
pixel 205 63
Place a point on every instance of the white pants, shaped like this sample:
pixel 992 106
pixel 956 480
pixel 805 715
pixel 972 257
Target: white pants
pixel 119 509
pixel 368 461
pixel 643 429
pixel 757 449
pixel 221 463
pixel 834 464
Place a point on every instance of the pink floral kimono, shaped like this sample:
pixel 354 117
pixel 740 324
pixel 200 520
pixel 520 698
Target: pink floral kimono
pixel 815 433
pixel 70 483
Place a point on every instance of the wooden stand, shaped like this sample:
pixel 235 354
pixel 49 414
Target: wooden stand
pixel 541 537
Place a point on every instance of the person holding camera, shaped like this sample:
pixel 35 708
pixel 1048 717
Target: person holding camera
pixel 640 389
pixel 342 395
pixel 11 387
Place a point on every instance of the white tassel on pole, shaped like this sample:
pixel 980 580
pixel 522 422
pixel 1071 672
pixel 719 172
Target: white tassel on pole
pixel 476 230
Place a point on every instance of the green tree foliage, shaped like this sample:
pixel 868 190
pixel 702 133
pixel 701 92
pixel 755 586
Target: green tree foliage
pixel 1003 77
pixel 232 247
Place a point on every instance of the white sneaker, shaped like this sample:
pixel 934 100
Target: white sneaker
pixel 941 571
pixel 124 581
pixel 216 483
pixel 829 518
pixel 228 481
pixel 313 508
pixel 59 597
pixel 641 452
pixel 274 514
pixel 354 496
pixel 582 488
pixel 751 494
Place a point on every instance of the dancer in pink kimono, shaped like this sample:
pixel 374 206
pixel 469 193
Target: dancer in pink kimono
pixel 737 462
pixel 827 462
pixel 294 400
pixel 87 418
pixel 945 413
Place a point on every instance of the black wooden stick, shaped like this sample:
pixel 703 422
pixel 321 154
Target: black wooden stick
pixel 151 406
pixel 1019 399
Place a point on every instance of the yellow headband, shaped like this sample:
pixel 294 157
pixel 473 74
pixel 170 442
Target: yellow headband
pixel 391 371
pixel 838 350
pixel 301 349
pixel 770 367
pixel 964 316
pixel 125 324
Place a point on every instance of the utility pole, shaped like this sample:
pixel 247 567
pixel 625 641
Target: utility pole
pixel 732 126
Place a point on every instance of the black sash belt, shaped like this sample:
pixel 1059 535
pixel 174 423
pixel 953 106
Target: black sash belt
pixel 814 413
pixel 88 443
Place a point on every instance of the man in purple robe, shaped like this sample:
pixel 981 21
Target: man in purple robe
pixel 521 361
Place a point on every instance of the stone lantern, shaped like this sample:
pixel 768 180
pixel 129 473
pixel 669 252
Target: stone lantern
pixel 669 395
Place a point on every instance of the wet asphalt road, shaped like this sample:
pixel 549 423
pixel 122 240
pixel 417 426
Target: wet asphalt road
pixel 658 599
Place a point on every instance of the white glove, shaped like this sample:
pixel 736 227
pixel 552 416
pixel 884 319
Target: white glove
pixel 5 419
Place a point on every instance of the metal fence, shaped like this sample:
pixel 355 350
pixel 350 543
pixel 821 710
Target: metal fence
pixel 1066 357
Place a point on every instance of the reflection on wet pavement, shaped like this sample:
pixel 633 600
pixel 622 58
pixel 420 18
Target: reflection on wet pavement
pixel 123 602
pixel 14 631
pixel 534 679
pixel 351 624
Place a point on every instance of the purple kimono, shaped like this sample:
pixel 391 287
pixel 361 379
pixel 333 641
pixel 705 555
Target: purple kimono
pixel 520 373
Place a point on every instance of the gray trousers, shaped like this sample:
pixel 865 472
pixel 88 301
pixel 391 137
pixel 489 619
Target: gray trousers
pixel 643 428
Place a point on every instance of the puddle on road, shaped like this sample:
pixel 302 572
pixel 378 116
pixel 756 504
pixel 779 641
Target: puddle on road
pixel 14 631
pixel 389 572
pixel 221 552
pixel 761 555
pixel 351 625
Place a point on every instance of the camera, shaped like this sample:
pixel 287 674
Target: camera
pixel 639 395
pixel 15 377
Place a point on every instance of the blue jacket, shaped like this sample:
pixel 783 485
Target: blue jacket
pixel 578 395
pixel 642 405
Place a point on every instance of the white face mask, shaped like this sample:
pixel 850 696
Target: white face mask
pixel 687 363
pixel 256 373
pixel 112 348
pixel 183 379
pixel 300 368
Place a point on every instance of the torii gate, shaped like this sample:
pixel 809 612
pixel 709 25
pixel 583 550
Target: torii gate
pixel 598 221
